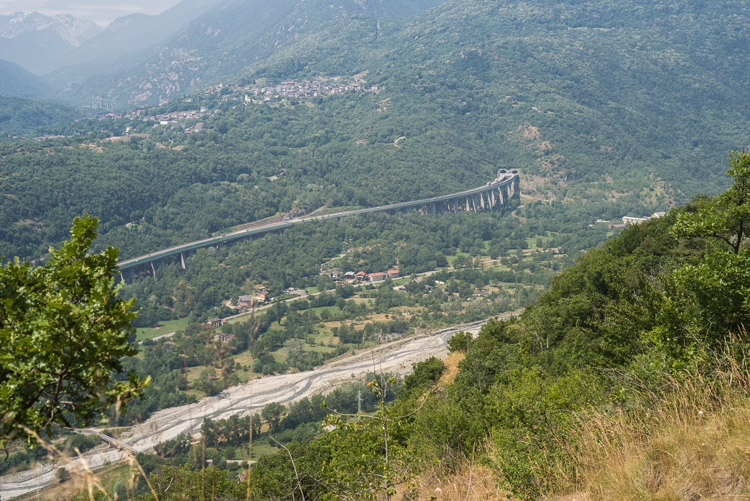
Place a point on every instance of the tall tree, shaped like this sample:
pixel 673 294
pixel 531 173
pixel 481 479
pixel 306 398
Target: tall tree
pixel 711 298
pixel 63 331
pixel 725 218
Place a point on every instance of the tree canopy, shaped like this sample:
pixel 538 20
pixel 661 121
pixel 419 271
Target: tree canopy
pixel 63 331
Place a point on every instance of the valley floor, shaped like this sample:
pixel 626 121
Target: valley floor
pixel 394 357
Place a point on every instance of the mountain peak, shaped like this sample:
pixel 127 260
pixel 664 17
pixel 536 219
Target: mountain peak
pixel 72 29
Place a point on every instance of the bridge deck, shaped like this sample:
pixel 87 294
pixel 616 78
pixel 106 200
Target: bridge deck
pixel 504 180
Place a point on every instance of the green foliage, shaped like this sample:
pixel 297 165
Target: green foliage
pixel 726 217
pixel 459 342
pixel 63 332
pixel 272 413
pixel 61 475
pixel 423 374
pixel 22 116
pixel 707 300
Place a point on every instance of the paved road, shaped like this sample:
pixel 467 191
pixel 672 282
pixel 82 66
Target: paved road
pixel 397 356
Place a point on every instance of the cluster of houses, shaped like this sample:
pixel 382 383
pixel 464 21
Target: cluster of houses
pixel 45 138
pixel 361 276
pixel 299 89
pixel 178 116
pixel 319 86
pixel 247 302
pixel 171 118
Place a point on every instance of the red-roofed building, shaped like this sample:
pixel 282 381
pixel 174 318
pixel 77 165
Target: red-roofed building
pixel 393 273
pixel 377 277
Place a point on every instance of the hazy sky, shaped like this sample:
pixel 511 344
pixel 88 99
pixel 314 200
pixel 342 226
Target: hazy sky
pixel 100 11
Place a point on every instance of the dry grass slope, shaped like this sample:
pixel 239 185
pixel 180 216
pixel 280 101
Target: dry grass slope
pixel 693 444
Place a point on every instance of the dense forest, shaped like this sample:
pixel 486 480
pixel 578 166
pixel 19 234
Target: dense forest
pixel 23 117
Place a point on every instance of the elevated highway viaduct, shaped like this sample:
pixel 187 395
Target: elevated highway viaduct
pixel 495 194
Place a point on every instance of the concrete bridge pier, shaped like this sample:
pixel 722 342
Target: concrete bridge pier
pixel 182 260
pixel 153 270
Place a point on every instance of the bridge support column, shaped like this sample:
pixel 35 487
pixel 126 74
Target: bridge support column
pixel 481 201
pixel 182 260
pixel 153 270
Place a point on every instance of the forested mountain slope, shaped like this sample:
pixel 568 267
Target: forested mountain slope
pixel 21 116
pixel 628 106
pixel 218 44
pixel 615 87
pixel 17 82
pixel 619 331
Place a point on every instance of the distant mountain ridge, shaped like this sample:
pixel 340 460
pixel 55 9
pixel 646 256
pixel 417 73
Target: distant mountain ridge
pixel 37 42
pixel 121 44
pixel 73 30
pixel 17 82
